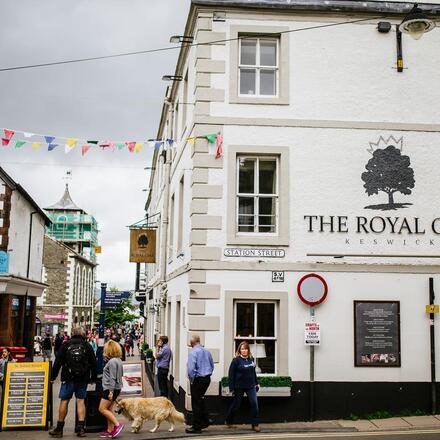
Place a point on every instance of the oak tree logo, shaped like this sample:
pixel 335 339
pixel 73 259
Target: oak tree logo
pixel 142 241
pixel 388 171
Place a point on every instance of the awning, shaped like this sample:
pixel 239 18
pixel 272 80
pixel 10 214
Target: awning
pixel 13 285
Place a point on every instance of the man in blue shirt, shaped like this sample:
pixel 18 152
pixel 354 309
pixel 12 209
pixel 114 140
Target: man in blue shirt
pixel 200 368
pixel 163 359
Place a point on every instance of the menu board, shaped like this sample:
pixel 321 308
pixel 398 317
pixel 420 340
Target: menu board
pixel 133 380
pixel 25 395
pixel 377 333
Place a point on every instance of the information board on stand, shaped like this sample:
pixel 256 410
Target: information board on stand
pixel 26 400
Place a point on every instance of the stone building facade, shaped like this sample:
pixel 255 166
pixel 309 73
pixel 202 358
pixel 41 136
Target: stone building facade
pixel 69 297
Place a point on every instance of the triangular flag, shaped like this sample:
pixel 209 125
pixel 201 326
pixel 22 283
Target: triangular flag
pixel 158 144
pixel 130 146
pixel 93 142
pixel 170 142
pixel 51 147
pixel 138 147
pixel 104 145
pixel 19 144
pixel 191 140
pixel 84 149
pixel 68 148
pixel 27 134
pixel 211 138
pixel 49 139
pixel 5 142
pixel 219 145
pixel 121 146
pixel 36 145
pixel 71 142
pixel 113 145
pixel 8 133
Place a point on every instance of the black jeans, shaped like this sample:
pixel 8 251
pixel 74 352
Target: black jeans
pixel 162 380
pixel 198 390
pixel 238 396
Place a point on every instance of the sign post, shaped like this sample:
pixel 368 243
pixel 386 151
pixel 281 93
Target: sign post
pixel 101 335
pixel 312 290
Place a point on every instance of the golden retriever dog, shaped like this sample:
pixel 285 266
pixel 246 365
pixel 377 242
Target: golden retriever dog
pixel 157 408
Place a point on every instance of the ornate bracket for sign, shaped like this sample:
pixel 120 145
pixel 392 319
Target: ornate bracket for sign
pixel 146 223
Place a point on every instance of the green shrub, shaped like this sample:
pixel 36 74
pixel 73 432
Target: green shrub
pixel 268 381
pixel 145 347
pixel 149 353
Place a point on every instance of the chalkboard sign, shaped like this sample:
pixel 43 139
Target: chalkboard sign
pixel 25 399
pixel 377 333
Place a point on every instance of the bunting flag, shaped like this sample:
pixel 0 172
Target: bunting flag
pixel 51 147
pixel 157 145
pixel 27 134
pixel 131 146
pixel 93 142
pixel 191 140
pixel 120 146
pixel 36 145
pixel 138 147
pixel 170 142
pixel 84 149
pixel 5 142
pixel 211 138
pixel 219 145
pixel 19 144
pixel 71 142
pixel 104 145
pixel 49 139
pixel 8 133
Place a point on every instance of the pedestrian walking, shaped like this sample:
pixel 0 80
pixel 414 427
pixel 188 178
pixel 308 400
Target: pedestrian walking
pixel 163 359
pixel 112 385
pixel 77 363
pixel 6 357
pixel 200 368
pixel 129 344
pixel 47 347
pixel 92 342
pixel 242 379
pixel 117 339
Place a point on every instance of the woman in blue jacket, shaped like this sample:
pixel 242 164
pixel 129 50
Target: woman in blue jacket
pixel 242 379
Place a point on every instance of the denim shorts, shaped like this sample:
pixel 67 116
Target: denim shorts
pixel 68 388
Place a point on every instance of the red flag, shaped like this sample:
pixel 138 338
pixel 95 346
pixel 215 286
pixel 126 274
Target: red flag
pixel 5 141
pixel 8 134
pixel 219 145
pixel 84 149
pixel 130 146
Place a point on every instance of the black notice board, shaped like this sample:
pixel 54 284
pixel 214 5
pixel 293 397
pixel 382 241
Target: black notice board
pixel 377 334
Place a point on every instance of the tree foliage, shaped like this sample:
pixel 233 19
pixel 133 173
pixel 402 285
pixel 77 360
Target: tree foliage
pixel 120 314
pixel 388 171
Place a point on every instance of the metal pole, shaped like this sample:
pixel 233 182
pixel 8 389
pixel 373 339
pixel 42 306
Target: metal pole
pixel 432 343
pixel 101 334
pixel 399 63
pixel 138 275
pixel 312 372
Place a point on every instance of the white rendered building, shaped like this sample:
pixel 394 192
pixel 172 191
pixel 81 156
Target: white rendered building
pixel 330 166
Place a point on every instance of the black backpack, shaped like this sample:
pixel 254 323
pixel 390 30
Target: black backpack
pixel 77 360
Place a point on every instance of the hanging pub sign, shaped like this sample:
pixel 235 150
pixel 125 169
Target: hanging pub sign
pixel 26 393
pixel 377 333
pixel 142 245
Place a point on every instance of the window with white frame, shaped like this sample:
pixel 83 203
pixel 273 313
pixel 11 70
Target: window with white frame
pixel 258 66
pixel 256 323
pixel 257 194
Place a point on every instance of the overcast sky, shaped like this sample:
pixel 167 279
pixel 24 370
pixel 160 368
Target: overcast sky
pixel 114 99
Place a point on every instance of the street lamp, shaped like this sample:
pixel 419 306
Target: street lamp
pixel 416 23
pixel 182 39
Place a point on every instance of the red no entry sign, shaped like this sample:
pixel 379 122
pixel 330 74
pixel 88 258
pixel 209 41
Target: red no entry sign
pixel 312 289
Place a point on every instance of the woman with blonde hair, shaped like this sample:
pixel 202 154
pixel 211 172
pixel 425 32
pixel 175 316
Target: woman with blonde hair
pixel 242 378
pixel 111 384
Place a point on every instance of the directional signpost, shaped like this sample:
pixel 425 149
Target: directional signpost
pixel 312 290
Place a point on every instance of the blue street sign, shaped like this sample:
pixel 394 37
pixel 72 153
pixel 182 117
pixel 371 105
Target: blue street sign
pixel 4 262
pixel 114 299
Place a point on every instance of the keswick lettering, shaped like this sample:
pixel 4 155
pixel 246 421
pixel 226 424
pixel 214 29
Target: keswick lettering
pixel 370 225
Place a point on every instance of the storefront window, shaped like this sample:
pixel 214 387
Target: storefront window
pixel 255 322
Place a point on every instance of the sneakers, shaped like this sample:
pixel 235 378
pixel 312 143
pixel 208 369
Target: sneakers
pixel 105 434
pixel 81 432
pixel 256 428
pixel 117 430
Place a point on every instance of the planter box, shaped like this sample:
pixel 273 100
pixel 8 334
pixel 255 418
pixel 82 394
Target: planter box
pixel 264 392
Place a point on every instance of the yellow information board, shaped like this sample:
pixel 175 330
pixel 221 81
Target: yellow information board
pixel 25 395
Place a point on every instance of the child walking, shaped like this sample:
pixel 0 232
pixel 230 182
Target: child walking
pixel 111 384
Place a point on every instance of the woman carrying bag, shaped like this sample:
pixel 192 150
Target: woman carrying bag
pixel 242 379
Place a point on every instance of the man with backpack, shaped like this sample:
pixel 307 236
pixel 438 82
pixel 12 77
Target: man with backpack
pixel 77 362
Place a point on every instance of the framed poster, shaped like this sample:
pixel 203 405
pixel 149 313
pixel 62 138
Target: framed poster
pixel 25 402
pixel 377 334
pixel 133 379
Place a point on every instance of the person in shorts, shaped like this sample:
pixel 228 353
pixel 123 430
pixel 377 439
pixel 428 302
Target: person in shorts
pixel 77 363
pixel 111 384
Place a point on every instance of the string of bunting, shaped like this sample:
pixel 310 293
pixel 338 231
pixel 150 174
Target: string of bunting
pixel 37 141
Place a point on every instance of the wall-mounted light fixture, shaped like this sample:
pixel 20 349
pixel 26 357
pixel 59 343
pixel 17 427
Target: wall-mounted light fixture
pixel 181 39
pixel 172 78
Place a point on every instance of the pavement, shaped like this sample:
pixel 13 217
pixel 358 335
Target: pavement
pixel 418 426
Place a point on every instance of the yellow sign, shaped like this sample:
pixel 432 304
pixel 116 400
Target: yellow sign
pixel 26 392
pixel 98 249
pixel 432 308
pixel 142 246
